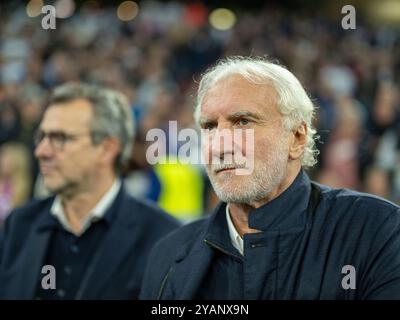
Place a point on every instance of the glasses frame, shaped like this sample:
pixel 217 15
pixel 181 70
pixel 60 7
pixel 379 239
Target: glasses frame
pixel 57 139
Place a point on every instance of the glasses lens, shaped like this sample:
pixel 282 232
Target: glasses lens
pixel 57 139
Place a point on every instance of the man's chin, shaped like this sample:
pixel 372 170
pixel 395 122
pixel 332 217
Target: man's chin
pixel 229 193
pixel 53 186
pixel 239 190
pixel 231 197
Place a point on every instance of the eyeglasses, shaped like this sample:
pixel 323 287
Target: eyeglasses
pixel 57 139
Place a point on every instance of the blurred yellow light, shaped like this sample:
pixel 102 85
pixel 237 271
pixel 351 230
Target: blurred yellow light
pixel 222 19
pixel 127 10
pixel 386 11
pixel 34 8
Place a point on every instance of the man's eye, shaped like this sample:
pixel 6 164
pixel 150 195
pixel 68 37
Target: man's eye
pixel 59 137
pixel 243 122
pixel 208 126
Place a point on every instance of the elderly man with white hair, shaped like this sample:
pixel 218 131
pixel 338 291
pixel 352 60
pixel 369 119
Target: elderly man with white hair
pixel 275 234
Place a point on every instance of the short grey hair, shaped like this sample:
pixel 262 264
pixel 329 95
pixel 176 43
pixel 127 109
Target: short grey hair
pixel 112 116
pixel 293 101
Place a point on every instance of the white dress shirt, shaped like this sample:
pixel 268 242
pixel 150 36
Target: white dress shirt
pixel 237 241
pixel 95 214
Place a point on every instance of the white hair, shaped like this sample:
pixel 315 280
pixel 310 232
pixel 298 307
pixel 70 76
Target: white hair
pixel 293 101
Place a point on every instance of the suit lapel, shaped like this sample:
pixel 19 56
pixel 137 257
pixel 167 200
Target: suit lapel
pixel 112 252
pixel 36 247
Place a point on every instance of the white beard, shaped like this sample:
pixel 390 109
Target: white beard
pixel 247 189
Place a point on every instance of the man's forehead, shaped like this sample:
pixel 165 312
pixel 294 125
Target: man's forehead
pixel 66 115
pixel 237 83
pixel 78 104
pixel 236 94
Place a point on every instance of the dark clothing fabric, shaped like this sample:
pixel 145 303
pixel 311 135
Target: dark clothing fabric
pixel 71 255
pixel 224 278
pixel 232 276
pixel 300 253
pixel 106 262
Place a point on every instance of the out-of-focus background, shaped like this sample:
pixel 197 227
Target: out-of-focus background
pixel 155 51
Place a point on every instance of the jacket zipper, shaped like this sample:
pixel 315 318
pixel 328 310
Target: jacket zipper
pixel 163 284
pixel 164 281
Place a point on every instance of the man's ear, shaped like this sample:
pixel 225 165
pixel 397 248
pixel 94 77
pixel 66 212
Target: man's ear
pixel 299 141
pixel 111 147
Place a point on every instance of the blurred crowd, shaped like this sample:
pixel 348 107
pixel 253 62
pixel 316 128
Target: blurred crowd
pixel 352 75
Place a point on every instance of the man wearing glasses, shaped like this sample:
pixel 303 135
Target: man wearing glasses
pixel 90 240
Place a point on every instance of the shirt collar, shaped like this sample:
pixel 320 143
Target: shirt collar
pixel 236 240
pixel 96 214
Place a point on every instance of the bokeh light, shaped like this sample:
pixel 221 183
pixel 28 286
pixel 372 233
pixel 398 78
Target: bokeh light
pixel 64 8
pixel 34 8
pixel 127 10
pixel 222 19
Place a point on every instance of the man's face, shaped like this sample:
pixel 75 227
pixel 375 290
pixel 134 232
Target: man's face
pixel 235 103
pixel 66 154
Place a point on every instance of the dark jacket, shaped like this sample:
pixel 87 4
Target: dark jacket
pixel 117 268
pixel 300 254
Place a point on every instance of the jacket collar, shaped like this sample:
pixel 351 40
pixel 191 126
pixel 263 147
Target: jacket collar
pixel 287 211
pixel 217 234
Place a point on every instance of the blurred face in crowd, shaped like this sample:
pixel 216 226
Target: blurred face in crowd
pixel 67 157
pixel 235 103
pixel 6 163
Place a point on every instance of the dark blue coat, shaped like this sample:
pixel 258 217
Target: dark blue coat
pixel 300 253
pixel 117 270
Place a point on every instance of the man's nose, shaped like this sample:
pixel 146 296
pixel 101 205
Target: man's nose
pixel 222 143
pixel 43 149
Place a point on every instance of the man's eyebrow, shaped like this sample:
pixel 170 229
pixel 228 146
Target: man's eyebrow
pixel 244 114
pixel 232 117
pixel 52 131
pixel 204 121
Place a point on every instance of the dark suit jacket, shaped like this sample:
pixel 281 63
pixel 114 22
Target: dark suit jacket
pixel 117 267
pixel 305 253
